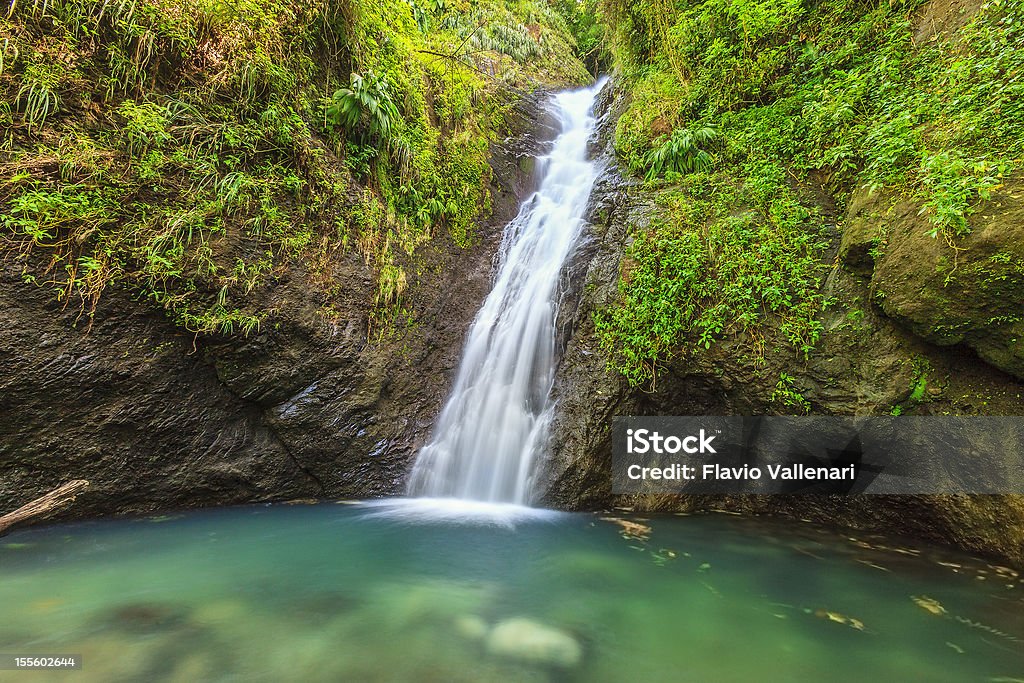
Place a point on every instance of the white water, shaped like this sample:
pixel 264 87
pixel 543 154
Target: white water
pixel 463 512
pixel 496 420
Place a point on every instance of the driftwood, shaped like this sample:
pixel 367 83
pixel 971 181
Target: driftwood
pixel 55 499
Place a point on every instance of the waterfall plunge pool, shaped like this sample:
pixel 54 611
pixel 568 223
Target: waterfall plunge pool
pixel 421 591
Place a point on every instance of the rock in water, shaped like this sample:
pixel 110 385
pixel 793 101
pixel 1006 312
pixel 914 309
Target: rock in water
pixel 471 627
pixel 529 641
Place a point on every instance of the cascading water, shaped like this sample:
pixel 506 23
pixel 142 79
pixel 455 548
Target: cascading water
pixel 496 419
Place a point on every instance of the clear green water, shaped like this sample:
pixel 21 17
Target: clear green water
pixel 339 593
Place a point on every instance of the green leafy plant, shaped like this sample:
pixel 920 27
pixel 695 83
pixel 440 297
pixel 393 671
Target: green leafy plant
pixel 391 283
pixel 582 18
pixel 145 126
pixel 359 158
pixel 681 152
pixel 786 394
pixel 953 184
pixel 365 107
pixel 39 213
pixel 702 271
pixel 38 97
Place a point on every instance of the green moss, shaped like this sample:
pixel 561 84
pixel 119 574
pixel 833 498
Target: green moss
pixel 921 369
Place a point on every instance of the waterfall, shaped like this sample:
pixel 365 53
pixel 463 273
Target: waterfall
pixel 495 421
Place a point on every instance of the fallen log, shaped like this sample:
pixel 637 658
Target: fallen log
pixel 54 500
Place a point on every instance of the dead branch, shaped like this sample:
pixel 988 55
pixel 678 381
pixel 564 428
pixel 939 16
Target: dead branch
pixel 44 505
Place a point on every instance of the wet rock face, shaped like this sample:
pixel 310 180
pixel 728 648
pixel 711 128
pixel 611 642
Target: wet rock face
pixel 131 406
pixel 156 418
pixel 575 473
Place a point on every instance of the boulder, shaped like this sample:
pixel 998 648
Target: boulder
pixel 964 290
pixel 526 640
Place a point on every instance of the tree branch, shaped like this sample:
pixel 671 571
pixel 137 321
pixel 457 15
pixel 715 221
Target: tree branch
pixel 55 499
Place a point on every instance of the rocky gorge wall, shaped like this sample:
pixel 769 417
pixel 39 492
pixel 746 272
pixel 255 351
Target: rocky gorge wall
pixel 157 418
pixel 325 401
pixel 871 359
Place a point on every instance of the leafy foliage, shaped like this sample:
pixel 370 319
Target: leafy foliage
pixel 582 20
pixel 680 153
pixel 365 107
pixel 788 397
pixel 702 270
pixel 186 149
pixel 840 88
pixel 38 96
pixel 838 95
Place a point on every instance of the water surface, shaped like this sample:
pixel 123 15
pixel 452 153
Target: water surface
pixel 337 592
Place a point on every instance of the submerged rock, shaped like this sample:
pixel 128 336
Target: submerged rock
pixel 529 641
pixel 471 627
pixel 220 612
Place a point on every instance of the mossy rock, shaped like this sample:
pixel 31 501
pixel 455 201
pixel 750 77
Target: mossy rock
pixel 964 290
pixel 863 233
